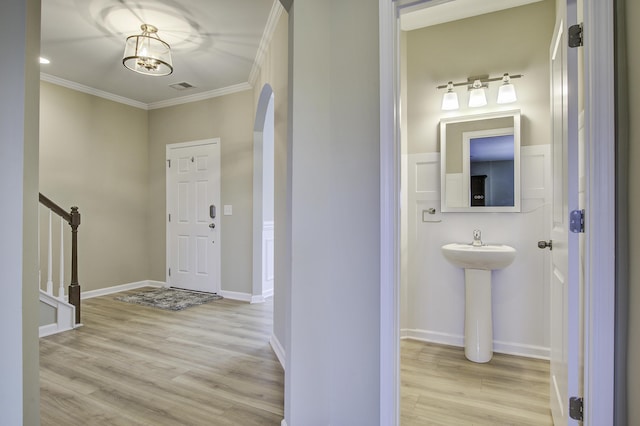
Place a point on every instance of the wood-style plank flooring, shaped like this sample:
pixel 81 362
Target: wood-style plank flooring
pixel 133 365
pixel 441 387
pixel 213 365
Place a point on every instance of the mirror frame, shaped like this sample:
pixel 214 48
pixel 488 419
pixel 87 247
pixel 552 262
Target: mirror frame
pixel 515 115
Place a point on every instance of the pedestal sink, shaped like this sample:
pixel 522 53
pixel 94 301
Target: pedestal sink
pixel 478 260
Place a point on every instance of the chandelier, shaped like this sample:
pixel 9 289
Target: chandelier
pixel 147 54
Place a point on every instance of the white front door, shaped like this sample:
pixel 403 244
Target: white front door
pixel 193 211
pixel 566 298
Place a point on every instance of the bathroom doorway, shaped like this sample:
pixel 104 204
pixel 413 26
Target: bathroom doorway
pixel 418 218
pixel 432 309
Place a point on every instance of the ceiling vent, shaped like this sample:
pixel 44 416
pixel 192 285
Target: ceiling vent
pixel 181 86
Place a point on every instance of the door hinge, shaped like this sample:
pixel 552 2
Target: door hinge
pixel 169 217
pixel 169 162
pixel 576 408
pixel 169 271
pixel 576 221
pixel 575 36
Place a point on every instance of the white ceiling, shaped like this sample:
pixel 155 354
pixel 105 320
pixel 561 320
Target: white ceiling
pixel 436 12
pixel 214 43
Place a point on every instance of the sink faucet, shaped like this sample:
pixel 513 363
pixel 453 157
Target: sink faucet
pixel 476 238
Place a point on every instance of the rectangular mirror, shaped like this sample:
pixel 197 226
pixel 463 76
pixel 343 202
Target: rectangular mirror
pixel 480 162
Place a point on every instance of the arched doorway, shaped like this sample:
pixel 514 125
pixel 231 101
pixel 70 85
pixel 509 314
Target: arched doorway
pixel 263 197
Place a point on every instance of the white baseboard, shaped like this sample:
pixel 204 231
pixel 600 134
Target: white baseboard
pixel 235 295
pixel 261 298
pixel 510 348
pixel 257 299
pixel 118 288
pixel 278 350
pixel 49 329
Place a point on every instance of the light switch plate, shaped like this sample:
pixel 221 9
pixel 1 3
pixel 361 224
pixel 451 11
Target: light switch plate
pixel 228 210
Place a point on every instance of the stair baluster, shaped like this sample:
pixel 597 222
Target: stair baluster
pixel 49 288
pixel 61 282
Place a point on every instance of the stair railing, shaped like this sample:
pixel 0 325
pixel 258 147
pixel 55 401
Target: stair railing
pixel 73 219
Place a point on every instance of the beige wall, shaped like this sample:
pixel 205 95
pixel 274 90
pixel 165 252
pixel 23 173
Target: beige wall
pixel 633 376
pixel 109 159
pixel 514 41
pixel 93 154
pixel 31 357
pixel 229 118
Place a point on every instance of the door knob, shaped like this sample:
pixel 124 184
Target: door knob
pixel 212 225
pixel 545 244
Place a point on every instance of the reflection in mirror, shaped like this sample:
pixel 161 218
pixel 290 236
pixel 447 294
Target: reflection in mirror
pixel 480 160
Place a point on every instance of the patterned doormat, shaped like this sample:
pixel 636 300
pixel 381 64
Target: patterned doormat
pixel 171 299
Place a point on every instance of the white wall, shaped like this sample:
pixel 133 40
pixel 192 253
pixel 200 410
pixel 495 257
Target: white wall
pixel 19 388
pixel 434 299
pixel 332 371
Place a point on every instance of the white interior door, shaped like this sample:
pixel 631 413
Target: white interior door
pixel 193 209
pixel 565 292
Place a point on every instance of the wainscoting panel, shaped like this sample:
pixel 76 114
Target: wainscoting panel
pixel 433 304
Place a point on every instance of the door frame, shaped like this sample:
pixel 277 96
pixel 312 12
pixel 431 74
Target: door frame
pixel 599 297
pixel 169 147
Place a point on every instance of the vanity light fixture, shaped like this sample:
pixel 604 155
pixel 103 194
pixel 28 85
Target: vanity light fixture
pixel 477 97
pixel 450 99
pixel 147 54
pixel 476 87
pixel 506 92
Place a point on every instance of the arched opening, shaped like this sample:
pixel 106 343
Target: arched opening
pixel 263 197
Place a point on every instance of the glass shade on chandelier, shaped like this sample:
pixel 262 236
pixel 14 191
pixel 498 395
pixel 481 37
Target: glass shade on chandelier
pixel 507 91
pixel 450 99
pixel 147 54
pixel 477 97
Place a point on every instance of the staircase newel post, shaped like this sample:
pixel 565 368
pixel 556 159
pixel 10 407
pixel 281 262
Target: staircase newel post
pixel 74 287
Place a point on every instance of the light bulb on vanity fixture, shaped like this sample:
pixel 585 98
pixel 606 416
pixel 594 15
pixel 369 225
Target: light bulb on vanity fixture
pixel 477 97
pixel 476 87
pixel 450 99
pixel 507 91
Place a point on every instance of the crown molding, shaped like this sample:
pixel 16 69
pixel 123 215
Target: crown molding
pixel 201 96
pixel 267 35
pixel 91 91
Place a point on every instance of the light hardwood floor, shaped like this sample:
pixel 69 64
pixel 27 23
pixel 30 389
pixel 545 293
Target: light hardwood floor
pixel 441 387
pixel 133 365
pixel 212 365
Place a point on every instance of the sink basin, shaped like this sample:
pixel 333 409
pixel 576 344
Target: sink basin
pixel 486 257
